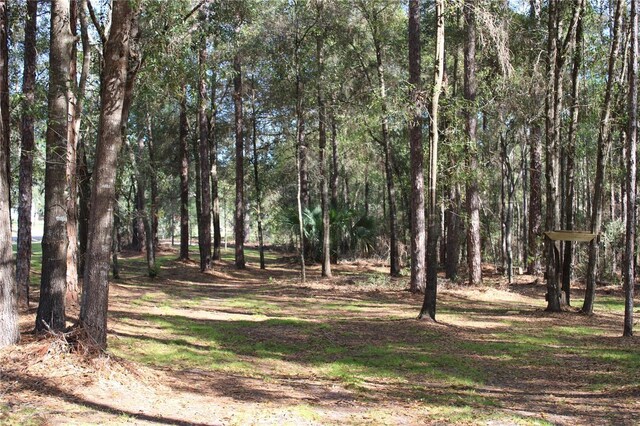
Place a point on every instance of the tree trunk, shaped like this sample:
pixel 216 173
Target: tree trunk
pixel 474 259
pixel 184 177
pixel 238 120
pixel 23 263
pixel 256 177
pixel 604 145
pixel 139 231
pixel 93 311
pixel 567 262
pixel 213 148
pixel 431 290
pixel 418 231
pixel 51 309
pixel 453 232
pixel 73 133
pixel 4 87
pixel 629 248
pixel 334 162
pixel 152 226
pixel 301 141
pixel 198 190
pixel 205 166
pixel 322 142
pixel 303 267
pixel 394 252
pixel 534 265
pixel 9 332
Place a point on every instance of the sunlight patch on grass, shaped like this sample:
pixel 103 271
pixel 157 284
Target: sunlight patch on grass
pixel 258 307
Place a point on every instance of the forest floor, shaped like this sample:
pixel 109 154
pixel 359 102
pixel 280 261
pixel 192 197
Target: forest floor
pixel 258 347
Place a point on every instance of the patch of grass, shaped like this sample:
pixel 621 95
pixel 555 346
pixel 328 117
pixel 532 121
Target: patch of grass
pixel 24 416
pixel 471 415
pixel 252 305
pixel 400 363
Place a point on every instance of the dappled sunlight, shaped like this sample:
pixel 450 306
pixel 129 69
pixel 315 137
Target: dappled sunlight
pixel 349 349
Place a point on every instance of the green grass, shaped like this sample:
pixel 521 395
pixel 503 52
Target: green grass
pixel 20 417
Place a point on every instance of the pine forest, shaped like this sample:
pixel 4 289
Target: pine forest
pixel 317 212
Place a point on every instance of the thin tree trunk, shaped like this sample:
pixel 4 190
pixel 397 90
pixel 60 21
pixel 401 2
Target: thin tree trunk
pixel 303 267
pixel 205 166
pixel 139 232
pixel 239 133
pixel 334 162
pixel 535 201
pixel 431 290
pixel 474 259
pixel 184 177
pixel 567 262
pixel 604 145
pixel 198 190
pixel 73 131
pixel 53 286
pixel 152 225
pixel 322 142
pixel 213 148
pixel 93 311
pixel 23 262
pixel 4 87
pixel 629 249
pixel 9 331
pixel 256 177
pixel 394 254
pixel 83 176
pixel 418 230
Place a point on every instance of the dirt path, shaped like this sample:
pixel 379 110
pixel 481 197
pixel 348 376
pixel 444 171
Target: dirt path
pixel 257 347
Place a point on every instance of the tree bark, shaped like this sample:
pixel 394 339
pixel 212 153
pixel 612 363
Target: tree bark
pixel 205 166
pixel 93 311
pixel 604 146
pixel 9 332
pixel 418 231
pixel 567 262
pixel 535 200
pixel 474 256
pixel 628 267
pixel 51 308
pixel 431 290
pixel 239 132
pixel 73 130
pixel 23 263
pixel 184 177
pixel 256 177
pixel 4 87
pixel 152 225
pixel 334 162
pixel 213 147
pixel 322 143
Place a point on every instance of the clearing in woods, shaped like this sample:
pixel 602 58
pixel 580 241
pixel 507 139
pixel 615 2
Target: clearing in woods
pixel 257 347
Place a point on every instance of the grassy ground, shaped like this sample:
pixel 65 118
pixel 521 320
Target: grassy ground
pixel 259 347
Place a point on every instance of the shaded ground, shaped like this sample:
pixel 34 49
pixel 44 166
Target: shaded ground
pixel 257 347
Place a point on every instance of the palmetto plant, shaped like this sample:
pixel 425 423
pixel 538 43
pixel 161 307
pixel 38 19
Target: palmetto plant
pixel 351 232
